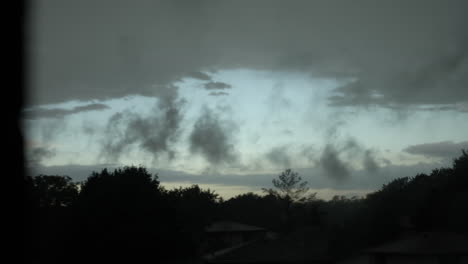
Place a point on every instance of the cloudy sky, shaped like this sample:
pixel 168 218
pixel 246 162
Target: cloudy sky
pixel 227 94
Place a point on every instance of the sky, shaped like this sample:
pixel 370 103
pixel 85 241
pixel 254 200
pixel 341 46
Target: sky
pixel 227 94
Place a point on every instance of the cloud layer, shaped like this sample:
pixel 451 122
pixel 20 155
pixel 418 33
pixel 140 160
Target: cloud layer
pixel 218 93
pixel 216 86
pixel 443 149
pixel 391 54
pixel 60 112
pixel 213 138
pixel 37 154
pixel 154 134
pixel 279 156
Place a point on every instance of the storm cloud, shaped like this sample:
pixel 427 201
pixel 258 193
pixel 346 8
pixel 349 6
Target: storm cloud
pixel 199 75
pixel 443 149
pixel 328 63
pixel 218 93
pixel 369 162
pixel 390 54
pixel 154 134
pixel 37 154
pixel 217 86
pixel 213 138
pixel 332 164
pixel 279 156
pixel 60 112
pixel 339 157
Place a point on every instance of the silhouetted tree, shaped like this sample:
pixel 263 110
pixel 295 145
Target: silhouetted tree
pixel 250 208
pixel 54 190
pixel 194 209
pixel 51 198
pixel 290 188
pixel 120 214
pixel 126 213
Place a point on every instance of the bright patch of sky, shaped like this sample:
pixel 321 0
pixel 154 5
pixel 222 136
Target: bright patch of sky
pixel 271 109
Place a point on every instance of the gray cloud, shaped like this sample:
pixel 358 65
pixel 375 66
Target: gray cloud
pixel 60 112
pixel 332 164
pixel 200 76
pixel 397 53
pixel 49 129
pixel 339 157
pixel 369 162
pixel 154 134
pixel 279 156
pixel 213 138
pixel 444 149
pixel 336 160
pixel 218 93
pixel 115 139
pixel 38 154
pixel 309 152
pixel 422 85
pixel 458 107
pixel 217 86
pixel 365 179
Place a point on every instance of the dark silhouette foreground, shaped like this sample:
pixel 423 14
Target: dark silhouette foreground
pixel 127 215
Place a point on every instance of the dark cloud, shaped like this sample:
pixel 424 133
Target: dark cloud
pixel 115 139
pixel 288 156
pixel 218 93
pixel 444 149
pixel 459 107
pixel 332 164
pixel 393 53
pixel 37 154
pixel 309 152
pixel 420 86
pixel 339 157
pixel 217 86
pixel 200 76
pixel 154 134
pixel 60 112
pixel 369 162
pixel 280 156
pixel 48 129
pixel 335 160
pixel 90 107
pixel 213 138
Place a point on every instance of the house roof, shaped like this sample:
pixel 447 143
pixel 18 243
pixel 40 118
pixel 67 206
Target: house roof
pixel 427 243
pixel 302 245
pixel 226 226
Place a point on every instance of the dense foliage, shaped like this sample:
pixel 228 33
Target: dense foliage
pixel 126 214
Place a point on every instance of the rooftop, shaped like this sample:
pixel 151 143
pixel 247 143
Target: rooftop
pixel 427 243
pixel 302 245
pixel 226 226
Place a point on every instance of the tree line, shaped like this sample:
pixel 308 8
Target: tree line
pixel 127 214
